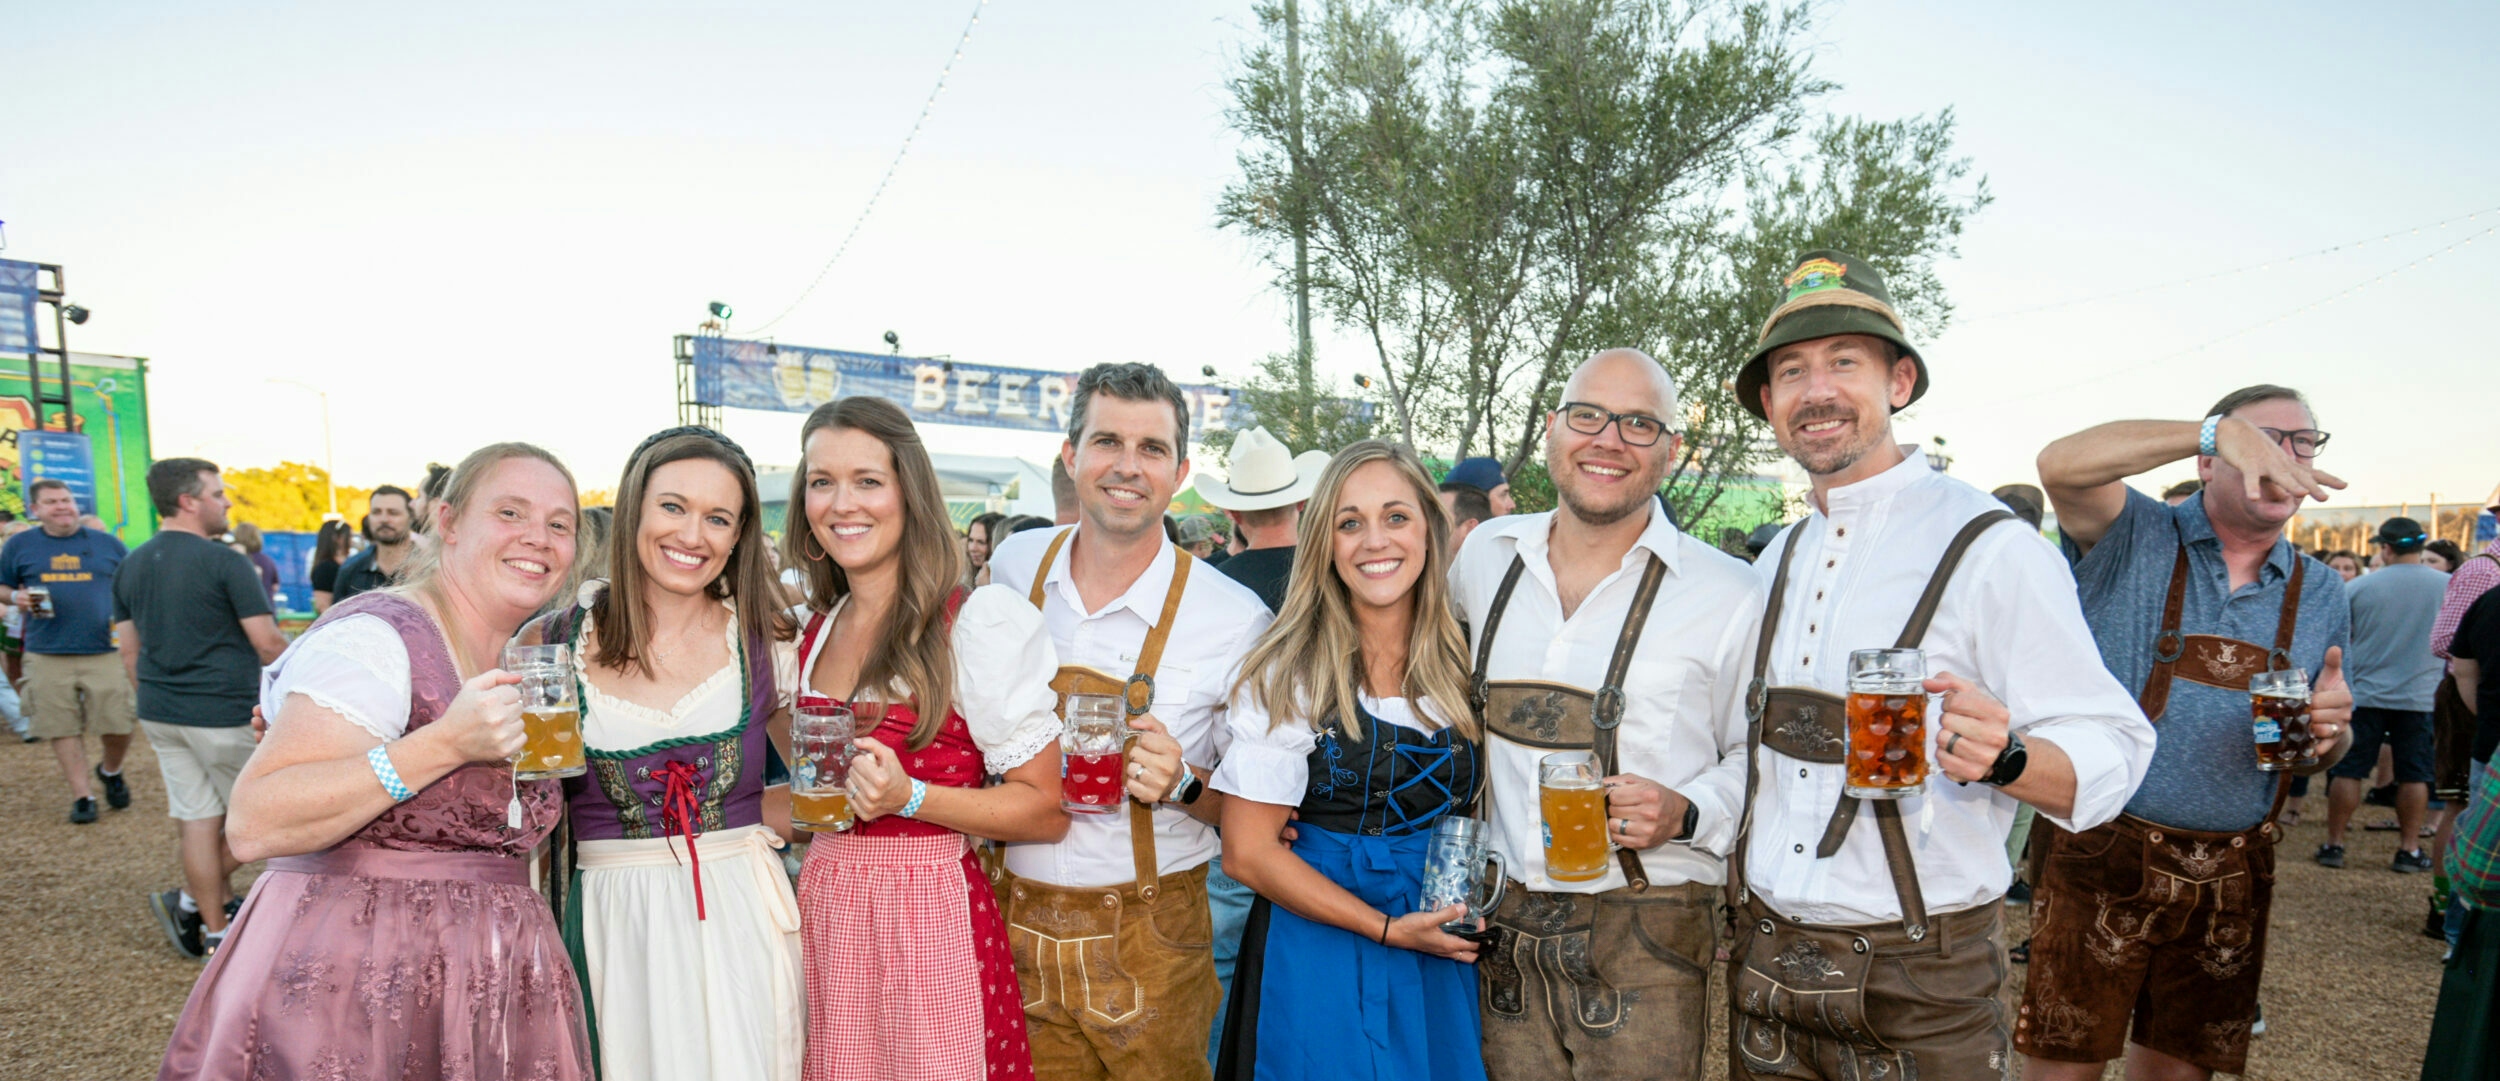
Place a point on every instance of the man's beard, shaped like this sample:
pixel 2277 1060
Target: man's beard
pixel 1829 460
pixel 389 536
pixel 1593 513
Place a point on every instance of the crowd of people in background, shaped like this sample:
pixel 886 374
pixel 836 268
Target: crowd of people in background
pixel 1348 662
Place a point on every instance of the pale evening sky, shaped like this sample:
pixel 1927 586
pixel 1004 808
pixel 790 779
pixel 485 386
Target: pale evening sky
pixel 472 222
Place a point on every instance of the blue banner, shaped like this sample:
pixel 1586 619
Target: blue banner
pixel 795 379
pixel 17 306
pixel 63 456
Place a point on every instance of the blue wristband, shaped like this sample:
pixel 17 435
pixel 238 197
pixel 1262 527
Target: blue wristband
pixel 380 759
pixel 919 791
pixel 2205 436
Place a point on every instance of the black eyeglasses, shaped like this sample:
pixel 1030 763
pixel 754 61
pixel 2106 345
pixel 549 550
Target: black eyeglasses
pixel 1637 429
pixel 2304 442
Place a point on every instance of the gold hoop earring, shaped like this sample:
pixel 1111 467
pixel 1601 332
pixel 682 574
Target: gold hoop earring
pixel 819 557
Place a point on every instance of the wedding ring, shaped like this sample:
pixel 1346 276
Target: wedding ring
pixel 1951 738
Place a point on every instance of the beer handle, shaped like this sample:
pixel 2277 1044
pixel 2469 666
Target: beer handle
pixel 1494 871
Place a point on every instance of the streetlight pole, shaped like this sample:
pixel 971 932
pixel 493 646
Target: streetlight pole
pixel 329 461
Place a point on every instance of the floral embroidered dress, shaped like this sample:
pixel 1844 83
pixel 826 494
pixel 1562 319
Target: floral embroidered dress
pixel 415 947
pixel 909 977
pixel 1310 1000
pixel 679 914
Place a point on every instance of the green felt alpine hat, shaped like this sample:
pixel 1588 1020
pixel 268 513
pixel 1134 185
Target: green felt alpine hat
pixel 1827 293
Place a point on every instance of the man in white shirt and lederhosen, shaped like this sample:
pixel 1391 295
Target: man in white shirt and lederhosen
pixel 1602 627
pixel 1110 927
pixel 1869 949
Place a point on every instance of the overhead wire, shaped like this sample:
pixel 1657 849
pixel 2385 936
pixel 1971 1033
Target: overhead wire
pixel 2254 327
pixel 2266 264
pixel 856 223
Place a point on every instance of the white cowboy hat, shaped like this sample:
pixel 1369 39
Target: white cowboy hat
pixel 1263 475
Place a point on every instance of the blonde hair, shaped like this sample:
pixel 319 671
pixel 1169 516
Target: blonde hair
pixel 423 572
pixel 1303 666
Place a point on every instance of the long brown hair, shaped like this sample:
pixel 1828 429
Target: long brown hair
pixel 622 620
pixel 914 652
pixel 424 568
pixel 1303 666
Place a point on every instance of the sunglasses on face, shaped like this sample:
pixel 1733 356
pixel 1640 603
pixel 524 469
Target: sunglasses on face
pixel 1636 429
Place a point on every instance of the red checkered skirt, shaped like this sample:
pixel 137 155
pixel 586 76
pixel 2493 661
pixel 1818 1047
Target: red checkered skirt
pixel 909 977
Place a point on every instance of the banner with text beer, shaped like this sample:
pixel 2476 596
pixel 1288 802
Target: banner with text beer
pixel 791 378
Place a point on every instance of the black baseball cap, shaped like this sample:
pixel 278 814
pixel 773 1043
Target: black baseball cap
pixel 2402 534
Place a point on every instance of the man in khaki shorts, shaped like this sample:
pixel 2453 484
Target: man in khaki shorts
pixel 195 628
pixel 60 577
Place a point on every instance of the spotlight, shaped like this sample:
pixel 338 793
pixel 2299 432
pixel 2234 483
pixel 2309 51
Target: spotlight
pixel 1363 381
pixel 772 349
pixel 1207 370
pixel 75 314
pixel 894 341
pixel 719 310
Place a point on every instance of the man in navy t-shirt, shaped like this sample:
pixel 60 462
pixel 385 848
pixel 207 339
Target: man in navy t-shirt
pixel 61 577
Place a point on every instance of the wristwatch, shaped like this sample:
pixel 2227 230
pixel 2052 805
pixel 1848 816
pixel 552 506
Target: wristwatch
pixel 1692 821
pixel 1187 789
pixel 2010 762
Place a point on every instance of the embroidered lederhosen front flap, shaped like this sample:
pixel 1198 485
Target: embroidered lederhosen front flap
pixel 1558 716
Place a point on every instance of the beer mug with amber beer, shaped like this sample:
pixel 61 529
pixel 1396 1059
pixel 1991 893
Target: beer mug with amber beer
pixel 1887 723
pixel 1091 755
pixel 551 714
pixel 2279 704
pixel 1573 797
pixel 823 739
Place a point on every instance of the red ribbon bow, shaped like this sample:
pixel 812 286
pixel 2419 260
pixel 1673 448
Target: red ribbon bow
pixel 680 815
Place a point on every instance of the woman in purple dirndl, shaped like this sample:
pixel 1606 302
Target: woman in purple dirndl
pixel 395 934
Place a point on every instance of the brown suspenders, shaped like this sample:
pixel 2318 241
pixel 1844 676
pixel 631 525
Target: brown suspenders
pixel 2210 659
pixel 1816 719
pixel 1076 679
pixel 1548 715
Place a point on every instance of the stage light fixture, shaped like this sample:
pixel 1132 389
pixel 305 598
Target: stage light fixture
pixel 75 314
pixel 720 310
pixel 1207 370
pixel 894 341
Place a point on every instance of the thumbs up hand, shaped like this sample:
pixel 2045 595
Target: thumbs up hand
pixel 2330 701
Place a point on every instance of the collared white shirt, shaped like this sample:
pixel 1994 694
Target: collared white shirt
pixel 2009 622
pixel 1217 620
pixel 1684 712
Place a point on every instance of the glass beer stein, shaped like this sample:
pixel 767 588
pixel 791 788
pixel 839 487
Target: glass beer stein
pixel 2278 703
pixel 551 714
pixel 823 739
pixel 1887 740
pixel 1573 799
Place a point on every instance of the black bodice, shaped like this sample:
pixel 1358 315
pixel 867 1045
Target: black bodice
pixel 1393 781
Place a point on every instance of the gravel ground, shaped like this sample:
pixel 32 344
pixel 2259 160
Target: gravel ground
pixel 93 986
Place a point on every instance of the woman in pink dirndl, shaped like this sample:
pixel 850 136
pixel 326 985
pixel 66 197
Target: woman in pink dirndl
pixel 908 969
pixel 395 934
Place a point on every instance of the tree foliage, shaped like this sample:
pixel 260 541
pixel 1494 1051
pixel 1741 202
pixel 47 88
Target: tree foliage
pixel 1495 189
pixel 289 497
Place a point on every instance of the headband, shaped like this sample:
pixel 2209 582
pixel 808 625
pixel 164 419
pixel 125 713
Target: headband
pixel 657 437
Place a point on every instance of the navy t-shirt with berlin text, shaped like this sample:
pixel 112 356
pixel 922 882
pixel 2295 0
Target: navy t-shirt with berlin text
pixel 79 569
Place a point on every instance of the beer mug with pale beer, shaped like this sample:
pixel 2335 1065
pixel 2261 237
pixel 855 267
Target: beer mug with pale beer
pixel 1887 743
pixel 551 714
pixel 1573 797
pixel 2279 704
pixel 823 739
pixel 1090 754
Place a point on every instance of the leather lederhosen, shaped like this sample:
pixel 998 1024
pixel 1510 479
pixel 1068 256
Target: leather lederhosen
pixel 1558 716
pixel 1813 1001
pixel 2134 911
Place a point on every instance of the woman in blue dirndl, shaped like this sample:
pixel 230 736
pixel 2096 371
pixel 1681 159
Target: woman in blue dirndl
pixel 1350 724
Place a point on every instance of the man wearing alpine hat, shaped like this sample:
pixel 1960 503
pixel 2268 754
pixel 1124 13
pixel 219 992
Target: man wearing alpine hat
pixel 1867 943
pixel 1263 496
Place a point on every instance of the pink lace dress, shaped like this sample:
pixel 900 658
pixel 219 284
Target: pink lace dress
pixel 413 949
